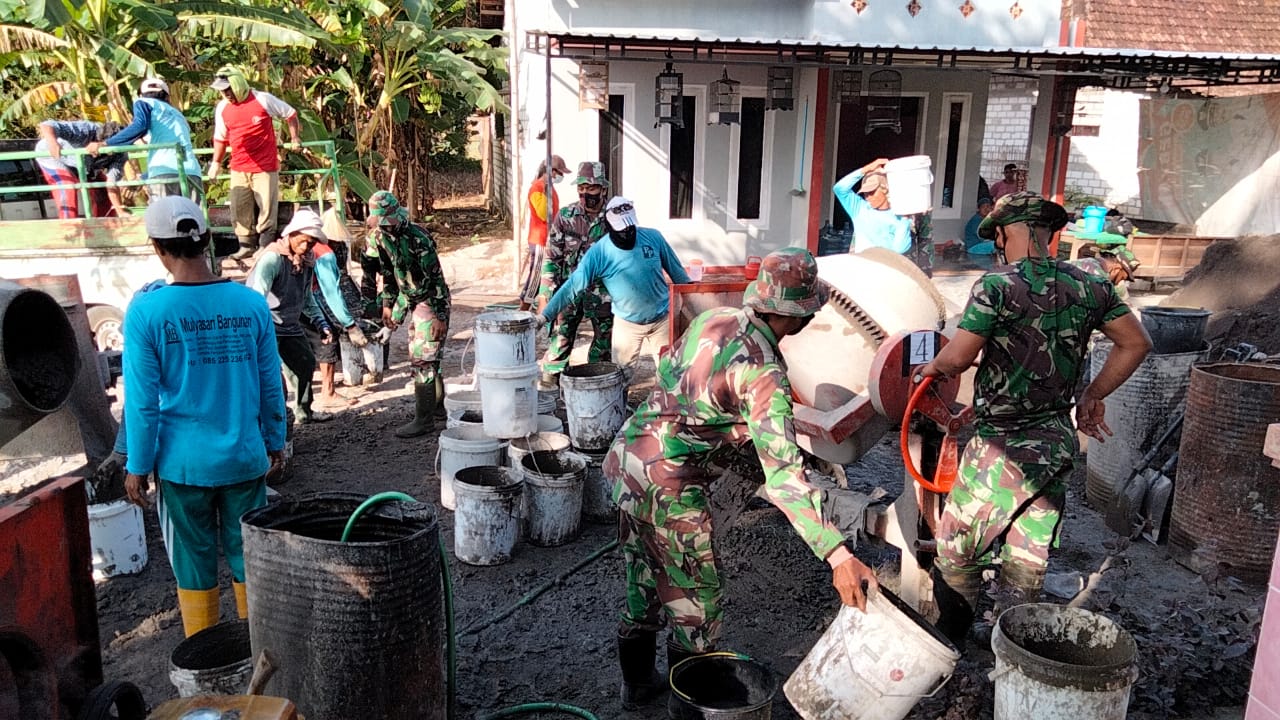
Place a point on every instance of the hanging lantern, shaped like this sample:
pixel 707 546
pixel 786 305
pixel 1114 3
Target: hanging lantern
pixel 593 85
pixel 849 86
pixel 726 101
pixel 781 88
pixel 668 98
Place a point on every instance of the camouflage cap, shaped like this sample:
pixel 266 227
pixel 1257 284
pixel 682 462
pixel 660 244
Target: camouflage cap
pixel 591 173
pixel 787 285
pixel 1123 255
pixel 384 206
pixel 1027 207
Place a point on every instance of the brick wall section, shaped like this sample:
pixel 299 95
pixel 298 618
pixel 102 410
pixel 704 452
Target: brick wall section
pixel 1007 135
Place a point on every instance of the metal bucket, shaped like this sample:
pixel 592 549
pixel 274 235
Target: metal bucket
pixel 553 492
pixel 1137 413
pixel 1060 663
pixel 1226 499
pixel 510 400
pixel 722 686
pixel 215 661
pixel 1175 329
pixel 597 490
pixel 505 339
pixel 595 401
pixel 872 666
pixel 487 523
pixel 459 448
pixel 355 629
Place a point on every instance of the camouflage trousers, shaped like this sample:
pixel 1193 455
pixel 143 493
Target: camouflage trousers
pixel 672 578
pixel 999 501
pixel 424 352
pixel 566 331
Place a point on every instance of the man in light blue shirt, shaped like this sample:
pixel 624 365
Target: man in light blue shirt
pixel 631 265
pixel 166 125
pixel 874 224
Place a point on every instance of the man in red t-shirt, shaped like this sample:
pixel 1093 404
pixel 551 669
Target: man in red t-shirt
pixel 536 210
pixel 243 119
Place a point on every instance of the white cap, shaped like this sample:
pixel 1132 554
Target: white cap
pixel 166 213
pixel 621 213
pixel 153 85
pixel 307 222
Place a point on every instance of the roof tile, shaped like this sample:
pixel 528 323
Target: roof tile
pixel 1238 26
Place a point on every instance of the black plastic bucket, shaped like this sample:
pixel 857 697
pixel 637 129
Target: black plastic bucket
pixel 356 629
pixel 1175 329
pixel 722 686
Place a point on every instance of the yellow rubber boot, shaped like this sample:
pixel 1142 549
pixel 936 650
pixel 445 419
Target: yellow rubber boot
pixel 242 599
pixel 199 609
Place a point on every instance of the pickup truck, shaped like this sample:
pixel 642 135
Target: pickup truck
pixel 111 256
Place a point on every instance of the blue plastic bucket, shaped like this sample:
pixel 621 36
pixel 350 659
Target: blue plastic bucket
pixel 1095 218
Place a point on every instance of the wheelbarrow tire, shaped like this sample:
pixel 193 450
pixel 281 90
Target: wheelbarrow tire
pixel 122 697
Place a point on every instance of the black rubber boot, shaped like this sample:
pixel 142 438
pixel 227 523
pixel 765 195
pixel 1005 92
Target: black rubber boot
pixel 676 653
pixel 636 652
pixel 439 393
pixel 248 246
pixel 956 595
pixel 424 396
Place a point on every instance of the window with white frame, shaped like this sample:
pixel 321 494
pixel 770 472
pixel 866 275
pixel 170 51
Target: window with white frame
pixel 951 177
pixel 752 148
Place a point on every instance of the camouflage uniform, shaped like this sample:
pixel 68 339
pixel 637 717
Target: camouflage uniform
pixel 1094 266
pixel 1036 317
pixel 921 250
pixel 723 386
pixel 572 233
pixel 412 283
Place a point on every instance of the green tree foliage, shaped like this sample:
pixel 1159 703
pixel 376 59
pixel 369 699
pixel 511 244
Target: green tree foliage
pixel 390 81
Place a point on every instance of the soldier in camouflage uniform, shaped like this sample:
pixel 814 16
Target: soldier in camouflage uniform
pixel 721 388
pixel 1031 322
pixel 1116 266
pixel 412 285
pixel 578 226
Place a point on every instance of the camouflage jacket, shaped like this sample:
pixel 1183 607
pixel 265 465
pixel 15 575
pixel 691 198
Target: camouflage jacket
pixel 1093 266
pixel 1036 317
pixel 723 386
pixel 571 234
pixel 410 269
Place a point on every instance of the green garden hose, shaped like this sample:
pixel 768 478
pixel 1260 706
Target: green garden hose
pixel 452 642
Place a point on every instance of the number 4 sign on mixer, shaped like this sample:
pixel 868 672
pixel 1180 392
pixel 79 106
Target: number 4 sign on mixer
pixel 921 348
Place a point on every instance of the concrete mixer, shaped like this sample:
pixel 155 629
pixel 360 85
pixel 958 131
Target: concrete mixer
pixel 850 373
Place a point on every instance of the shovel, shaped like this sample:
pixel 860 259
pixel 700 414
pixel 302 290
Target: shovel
pixel 1125 514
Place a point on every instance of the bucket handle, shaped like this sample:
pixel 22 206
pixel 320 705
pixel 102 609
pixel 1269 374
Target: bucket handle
pixel 848 657
pixel 437 462
pixel 462 360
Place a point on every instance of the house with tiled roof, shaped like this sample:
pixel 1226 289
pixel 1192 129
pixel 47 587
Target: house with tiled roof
pixel 727 122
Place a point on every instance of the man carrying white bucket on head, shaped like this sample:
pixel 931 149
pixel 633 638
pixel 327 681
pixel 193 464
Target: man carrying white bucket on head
pixel 875 224
pixel 631 265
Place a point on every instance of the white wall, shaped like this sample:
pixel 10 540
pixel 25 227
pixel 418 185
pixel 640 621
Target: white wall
pixel 1008 129
pixel 1106 166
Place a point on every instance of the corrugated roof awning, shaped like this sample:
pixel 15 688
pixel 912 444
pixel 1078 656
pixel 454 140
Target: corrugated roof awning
pixel 1114 67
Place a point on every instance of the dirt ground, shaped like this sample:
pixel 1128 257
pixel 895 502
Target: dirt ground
pixel 1195 634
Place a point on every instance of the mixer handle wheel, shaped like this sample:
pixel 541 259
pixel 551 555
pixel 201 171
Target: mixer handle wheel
pixel 121 697
pixel 932 406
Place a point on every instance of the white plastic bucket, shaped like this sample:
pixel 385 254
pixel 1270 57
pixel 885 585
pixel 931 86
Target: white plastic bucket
pixel 595 401
pixel 547 401
pixel 553 496
pixel 215 661
pixel 597 490
pixel 872 666
pixel 486 524
pixel 910 184
pixel 1060 663
pixel 509 398
pixel 119 539
pixel 468 419
pixel 505 339
pixel 550 424
pixel 456 403
pixel 517 448
pixel 460 448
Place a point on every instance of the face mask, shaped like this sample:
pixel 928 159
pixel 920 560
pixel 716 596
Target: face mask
pixel 591 201
pixel 624 239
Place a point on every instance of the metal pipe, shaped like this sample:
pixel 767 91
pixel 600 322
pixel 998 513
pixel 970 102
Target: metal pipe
pixel 39 358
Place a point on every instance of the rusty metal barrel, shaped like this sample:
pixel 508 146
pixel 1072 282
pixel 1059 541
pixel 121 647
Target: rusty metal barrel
pixel 1137 412
pixel 356 629
pixel 1226 499
pixel 39 358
